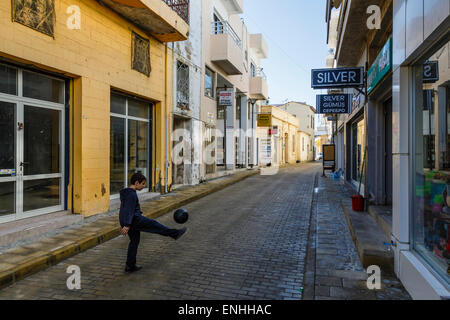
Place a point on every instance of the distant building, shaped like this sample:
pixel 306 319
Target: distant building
pixel 278 138
pixel 306 127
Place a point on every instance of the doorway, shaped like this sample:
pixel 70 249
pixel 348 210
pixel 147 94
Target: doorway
pixel 358 150
pixel 286 148
pixel 388 151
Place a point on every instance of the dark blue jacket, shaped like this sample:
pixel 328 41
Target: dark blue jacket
pixel 129 207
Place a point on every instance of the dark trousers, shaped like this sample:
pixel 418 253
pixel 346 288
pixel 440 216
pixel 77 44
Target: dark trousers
pixel 146 225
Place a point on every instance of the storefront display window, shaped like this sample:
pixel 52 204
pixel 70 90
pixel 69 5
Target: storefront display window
pixel 431 207
pixel 129 140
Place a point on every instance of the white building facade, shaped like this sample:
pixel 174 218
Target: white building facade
pixel 233 88
pixel 214 136
pixel 306 127
pixel 187 74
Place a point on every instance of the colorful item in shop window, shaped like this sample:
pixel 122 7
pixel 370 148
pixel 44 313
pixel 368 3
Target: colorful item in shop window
pixel 427 188
pixel 446 194
pixel 7 172
pixel 441 244
pixel 447 256
pixel 438 204
pixel 430 174
pixel 437 189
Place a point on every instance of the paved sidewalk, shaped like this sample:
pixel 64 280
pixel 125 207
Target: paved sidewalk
pixel 333 270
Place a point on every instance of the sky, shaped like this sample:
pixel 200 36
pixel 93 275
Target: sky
pixel 295 31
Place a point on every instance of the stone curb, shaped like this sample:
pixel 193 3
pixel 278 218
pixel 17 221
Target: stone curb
pixel 51 251
pixel 369 252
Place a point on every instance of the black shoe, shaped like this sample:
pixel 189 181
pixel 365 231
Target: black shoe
pixel 132 269
pixel 180 233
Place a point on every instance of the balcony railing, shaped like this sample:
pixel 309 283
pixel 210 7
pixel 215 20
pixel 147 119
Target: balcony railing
pixel 181 7
pixel 259 73
pixel 223 27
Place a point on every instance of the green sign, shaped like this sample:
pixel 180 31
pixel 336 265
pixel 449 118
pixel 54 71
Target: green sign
pixel 381 67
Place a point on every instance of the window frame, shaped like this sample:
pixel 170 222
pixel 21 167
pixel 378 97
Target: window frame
pixel 147 120
pixel 213 83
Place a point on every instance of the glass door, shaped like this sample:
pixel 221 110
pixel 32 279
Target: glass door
pixel 40 163
pixel 8 160
pixel 31 143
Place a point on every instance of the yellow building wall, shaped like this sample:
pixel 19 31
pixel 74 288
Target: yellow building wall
pixel 98 58
pixel 304 146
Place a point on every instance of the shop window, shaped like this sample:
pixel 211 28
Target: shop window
pixel 8 80
pixel 129 140
pixel 209 83
pixel 38 15
pixel 141 54
pixel 252 70
pixel 358 148
pixel 431 146
pixel 41 87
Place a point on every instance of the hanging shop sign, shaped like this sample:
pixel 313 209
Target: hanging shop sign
pixel 264 120
pixel 337 77
pixel 334 103
pixel 226 98
pixel 431 72
pixel 381 67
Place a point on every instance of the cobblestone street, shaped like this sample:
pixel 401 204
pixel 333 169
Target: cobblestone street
pixel 239 245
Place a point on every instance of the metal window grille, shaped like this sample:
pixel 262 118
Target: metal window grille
pixel 182 86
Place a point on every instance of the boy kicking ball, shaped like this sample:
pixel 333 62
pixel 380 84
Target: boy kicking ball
pixel 133 222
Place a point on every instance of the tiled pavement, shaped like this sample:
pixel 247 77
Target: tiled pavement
pixel 244 242
pixel 333 270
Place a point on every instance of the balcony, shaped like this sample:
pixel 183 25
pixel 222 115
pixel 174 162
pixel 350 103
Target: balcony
pixel 353 33
pixel 226 48
pixel 258 85
pixel 181 7
pixel 259 45
pixel 166 20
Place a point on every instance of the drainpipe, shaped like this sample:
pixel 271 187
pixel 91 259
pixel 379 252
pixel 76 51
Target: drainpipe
pixel 166 164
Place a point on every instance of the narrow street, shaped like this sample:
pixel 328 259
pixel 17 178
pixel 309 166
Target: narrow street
pixel 248 241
